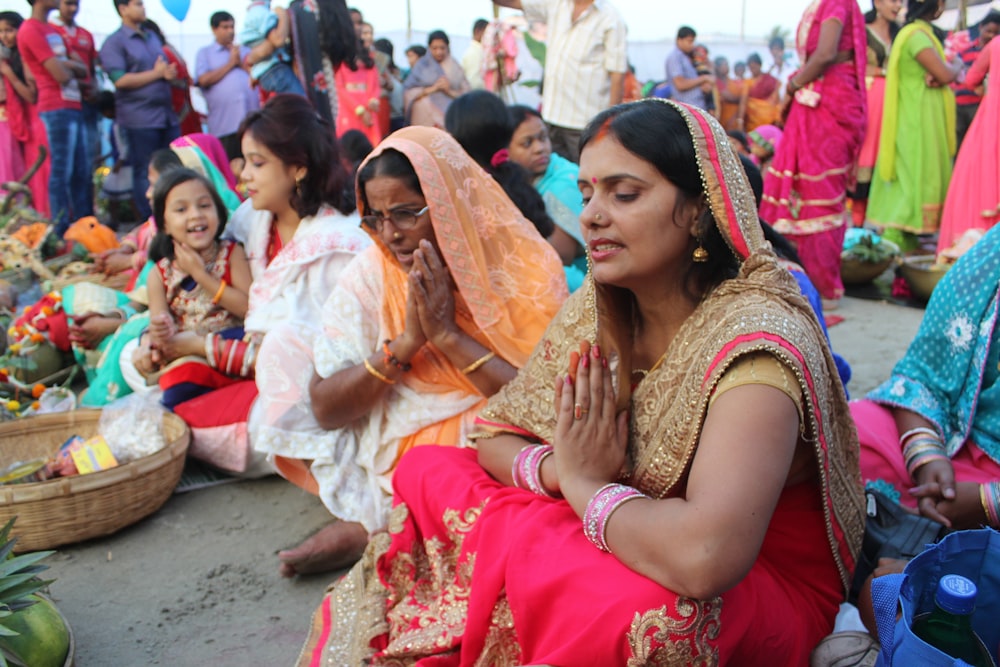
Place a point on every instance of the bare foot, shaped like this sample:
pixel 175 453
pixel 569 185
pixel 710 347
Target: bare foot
pixel 331 548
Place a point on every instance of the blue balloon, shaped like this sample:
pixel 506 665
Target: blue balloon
pixel 177 8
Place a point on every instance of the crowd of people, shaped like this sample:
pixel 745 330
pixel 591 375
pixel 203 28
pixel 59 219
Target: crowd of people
pixel 501 343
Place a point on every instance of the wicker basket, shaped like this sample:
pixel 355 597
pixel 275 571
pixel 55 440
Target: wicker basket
pixel 71 509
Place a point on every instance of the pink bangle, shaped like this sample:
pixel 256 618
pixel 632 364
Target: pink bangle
pixel 600 508
pixel 526 471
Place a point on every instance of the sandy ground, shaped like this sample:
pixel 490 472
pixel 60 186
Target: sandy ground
pixel 197 584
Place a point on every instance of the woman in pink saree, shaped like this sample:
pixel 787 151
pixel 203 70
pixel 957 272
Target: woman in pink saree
pixel 486 561
pixel 973 200
pixel 805 189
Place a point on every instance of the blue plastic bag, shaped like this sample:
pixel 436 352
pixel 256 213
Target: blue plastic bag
pixel 974 554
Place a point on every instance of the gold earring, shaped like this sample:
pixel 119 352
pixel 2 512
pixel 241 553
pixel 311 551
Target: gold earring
pixel 700 255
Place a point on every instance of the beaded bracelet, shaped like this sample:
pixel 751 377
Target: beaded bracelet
pixel 526 471
pixel 390 358
pixel 920 451
pixel 600 508
pixel 989 496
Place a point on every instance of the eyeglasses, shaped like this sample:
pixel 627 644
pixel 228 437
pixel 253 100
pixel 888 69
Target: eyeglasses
pixel 401 219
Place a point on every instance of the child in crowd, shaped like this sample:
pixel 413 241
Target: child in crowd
pixel 200 284
pixel 703 65
pixel 265 31
pixel 131 254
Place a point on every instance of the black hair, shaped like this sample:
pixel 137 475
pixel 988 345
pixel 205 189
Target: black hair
pixel 105 103
pixel 13 18
pixel 164 160
pixel 390 163
pixel 419 49
pixel 337 39
pixel 740 137
pixel 921 9
pixel 355 146
pixel 520 113
pixel 162 245
pixel 481 123
pixel 120 3
pixel 383 45
pixel 218 18
pixel 776 41
pixel 480 24
pixel 656 133
pixel 289 127
pixel 754 58
pixel 438 34
pixel 872 14
pixel 686 31
pixel 992 17
pixel 151 26
pixel 16 63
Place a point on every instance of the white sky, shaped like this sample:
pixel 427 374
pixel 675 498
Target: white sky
pixel 652 24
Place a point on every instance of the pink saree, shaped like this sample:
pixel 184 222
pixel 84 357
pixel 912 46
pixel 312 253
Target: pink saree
pixel 472 572
pixel 805 188
pixel 973 200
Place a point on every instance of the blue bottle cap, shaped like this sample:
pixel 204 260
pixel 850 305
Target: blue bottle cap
pixel 956 595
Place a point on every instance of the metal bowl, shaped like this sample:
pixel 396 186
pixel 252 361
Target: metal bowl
pixel 856 271
pixel 922 274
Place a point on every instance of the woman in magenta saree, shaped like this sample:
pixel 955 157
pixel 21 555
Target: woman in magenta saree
pixel 805 188
pixel 486 562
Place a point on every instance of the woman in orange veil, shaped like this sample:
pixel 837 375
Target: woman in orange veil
pixel 425 325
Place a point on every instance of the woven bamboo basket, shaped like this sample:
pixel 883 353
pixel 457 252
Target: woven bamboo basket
pixel 70 509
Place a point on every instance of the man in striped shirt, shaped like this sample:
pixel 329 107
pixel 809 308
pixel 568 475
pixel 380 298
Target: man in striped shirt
pixel 585 64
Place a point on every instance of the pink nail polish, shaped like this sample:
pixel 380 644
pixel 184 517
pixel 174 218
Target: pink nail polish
pixel 596 351
pixel 585 362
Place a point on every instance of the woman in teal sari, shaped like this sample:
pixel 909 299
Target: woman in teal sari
pixel 556 180
pixel 918 132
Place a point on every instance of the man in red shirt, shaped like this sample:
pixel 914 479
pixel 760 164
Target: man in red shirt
pixel 80 43
pixel 58 74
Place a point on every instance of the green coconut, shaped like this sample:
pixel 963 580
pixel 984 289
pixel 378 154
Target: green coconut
pixel 42 639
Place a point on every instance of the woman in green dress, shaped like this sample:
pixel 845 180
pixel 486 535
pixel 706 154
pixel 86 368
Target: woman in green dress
pixel 918 132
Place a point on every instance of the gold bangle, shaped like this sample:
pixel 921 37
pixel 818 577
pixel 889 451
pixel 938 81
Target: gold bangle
pixel 478 363
pixel 374 373
pixel 218 294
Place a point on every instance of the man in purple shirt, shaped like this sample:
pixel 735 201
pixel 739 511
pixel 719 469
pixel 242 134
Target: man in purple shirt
pixel 133 58
pixel 225 84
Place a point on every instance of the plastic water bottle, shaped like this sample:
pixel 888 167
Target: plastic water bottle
pixel 949 627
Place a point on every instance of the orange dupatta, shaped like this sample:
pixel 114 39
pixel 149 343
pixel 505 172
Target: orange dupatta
pixel 509 280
